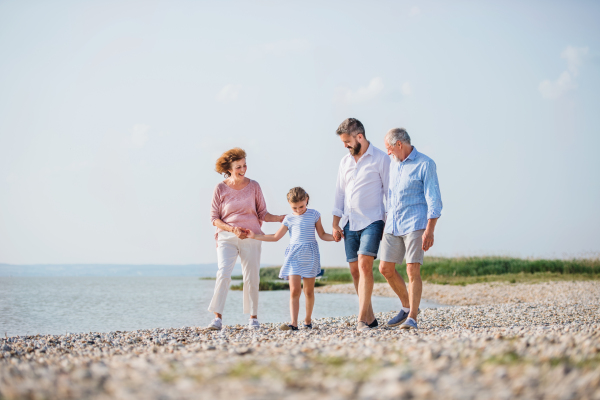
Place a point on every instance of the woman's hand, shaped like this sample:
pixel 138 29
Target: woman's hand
pixel 240 232
pixel 280 218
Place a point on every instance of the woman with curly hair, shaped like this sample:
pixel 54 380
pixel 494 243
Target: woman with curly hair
pixel 238 207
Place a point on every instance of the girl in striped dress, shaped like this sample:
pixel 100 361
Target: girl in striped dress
pixel 302 259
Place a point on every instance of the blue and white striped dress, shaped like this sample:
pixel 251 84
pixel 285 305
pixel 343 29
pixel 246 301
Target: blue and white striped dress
pixel 302 255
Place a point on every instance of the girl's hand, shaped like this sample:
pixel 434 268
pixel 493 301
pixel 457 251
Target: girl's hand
pixel 250 234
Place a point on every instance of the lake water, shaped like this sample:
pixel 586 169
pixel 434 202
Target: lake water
pixel 55 305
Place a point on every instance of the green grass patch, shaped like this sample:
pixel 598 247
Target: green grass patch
pixel 479 266
pixel 265 285
pixel 461 271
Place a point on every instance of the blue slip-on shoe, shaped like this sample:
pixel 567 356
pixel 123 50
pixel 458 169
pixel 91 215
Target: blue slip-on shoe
pixel 398 319
pixel 409 324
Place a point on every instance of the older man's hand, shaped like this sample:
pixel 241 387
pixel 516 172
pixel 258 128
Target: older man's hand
pixel 427 239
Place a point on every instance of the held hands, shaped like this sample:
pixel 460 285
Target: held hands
pixel 250 234
pixel 427 239
pixel 337 233
pixel 242 233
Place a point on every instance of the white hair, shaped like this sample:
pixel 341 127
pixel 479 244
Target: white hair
pixel 395 135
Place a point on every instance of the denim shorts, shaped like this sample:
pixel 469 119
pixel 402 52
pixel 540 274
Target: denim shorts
pixel 365 242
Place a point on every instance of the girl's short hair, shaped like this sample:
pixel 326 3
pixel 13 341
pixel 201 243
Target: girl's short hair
pixel 297 194
pixel 224 162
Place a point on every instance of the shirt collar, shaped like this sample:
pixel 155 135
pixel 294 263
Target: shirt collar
pixel 369 150
pixel 413 154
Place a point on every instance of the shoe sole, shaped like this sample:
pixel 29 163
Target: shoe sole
pixel 407 327
pixel 398 323
pixel 213 328
pixel 393 325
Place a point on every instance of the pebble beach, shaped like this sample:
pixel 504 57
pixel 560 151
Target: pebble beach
pixel 534 341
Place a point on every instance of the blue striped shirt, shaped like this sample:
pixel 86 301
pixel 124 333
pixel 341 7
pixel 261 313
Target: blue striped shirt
pixel 302 255
pixel 302 227
pixel 413 194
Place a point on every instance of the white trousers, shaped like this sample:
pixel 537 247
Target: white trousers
pixel 229 247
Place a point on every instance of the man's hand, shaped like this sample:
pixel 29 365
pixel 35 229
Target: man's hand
pixel 337 233
pixel 427 239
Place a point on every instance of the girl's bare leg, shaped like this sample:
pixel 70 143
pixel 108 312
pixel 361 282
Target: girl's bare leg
pixel 295 291
pixel 309 296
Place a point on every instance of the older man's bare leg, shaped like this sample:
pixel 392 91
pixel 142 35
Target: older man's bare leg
pixel 413 270
pixel 388 270
pixel 354 271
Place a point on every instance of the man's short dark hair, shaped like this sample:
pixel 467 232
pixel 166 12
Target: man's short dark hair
pixel 351 126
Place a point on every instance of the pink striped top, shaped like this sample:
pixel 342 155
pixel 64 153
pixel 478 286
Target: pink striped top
pixel 245 208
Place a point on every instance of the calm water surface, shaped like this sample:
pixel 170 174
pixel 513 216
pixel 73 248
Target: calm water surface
pixel 55 305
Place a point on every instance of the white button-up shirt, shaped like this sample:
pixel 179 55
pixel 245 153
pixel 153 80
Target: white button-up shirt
pixel 360 189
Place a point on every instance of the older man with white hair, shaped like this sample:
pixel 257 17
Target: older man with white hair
pixel 414 205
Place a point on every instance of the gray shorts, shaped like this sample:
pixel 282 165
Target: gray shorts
pixel 394 248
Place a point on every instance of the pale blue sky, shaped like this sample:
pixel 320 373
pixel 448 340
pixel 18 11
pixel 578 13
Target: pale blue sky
pixel 113 113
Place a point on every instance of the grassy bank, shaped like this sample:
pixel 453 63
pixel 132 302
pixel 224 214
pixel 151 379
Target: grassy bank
pixel 270 285
pixel 460 271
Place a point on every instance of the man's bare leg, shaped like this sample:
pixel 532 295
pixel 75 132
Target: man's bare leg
pixel 365 288
pixel 356 279
pixel 388 270
pixel 413 271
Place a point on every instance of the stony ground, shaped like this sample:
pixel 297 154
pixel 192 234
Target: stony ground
pixel 523 350
pixel 492 293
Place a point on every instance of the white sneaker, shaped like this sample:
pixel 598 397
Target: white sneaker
pixel 215 325
pixel 253 323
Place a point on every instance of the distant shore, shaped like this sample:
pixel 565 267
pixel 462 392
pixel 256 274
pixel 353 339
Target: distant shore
pixel 520 341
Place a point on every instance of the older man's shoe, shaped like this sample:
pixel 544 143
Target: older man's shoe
pixel 409 324
pixel 398 319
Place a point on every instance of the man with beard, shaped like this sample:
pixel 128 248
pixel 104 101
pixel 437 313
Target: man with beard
pixel 414 204
pixel 359 211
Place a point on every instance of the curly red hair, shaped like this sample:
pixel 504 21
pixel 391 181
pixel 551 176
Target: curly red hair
pixel 223 165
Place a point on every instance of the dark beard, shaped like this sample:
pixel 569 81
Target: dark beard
pixel 355 150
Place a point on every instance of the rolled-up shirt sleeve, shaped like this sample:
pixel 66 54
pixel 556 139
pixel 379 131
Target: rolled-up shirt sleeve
pixel 340 193
pixel 433 196
pixel 261 204
pixel 215 209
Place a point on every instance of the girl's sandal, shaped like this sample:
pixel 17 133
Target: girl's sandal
pixel 290 327
pixel 308 326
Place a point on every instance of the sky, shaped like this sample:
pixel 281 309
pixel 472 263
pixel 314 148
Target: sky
pixel 112 115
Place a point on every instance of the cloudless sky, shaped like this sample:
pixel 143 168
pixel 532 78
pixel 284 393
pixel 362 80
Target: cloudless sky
pixel 112 115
